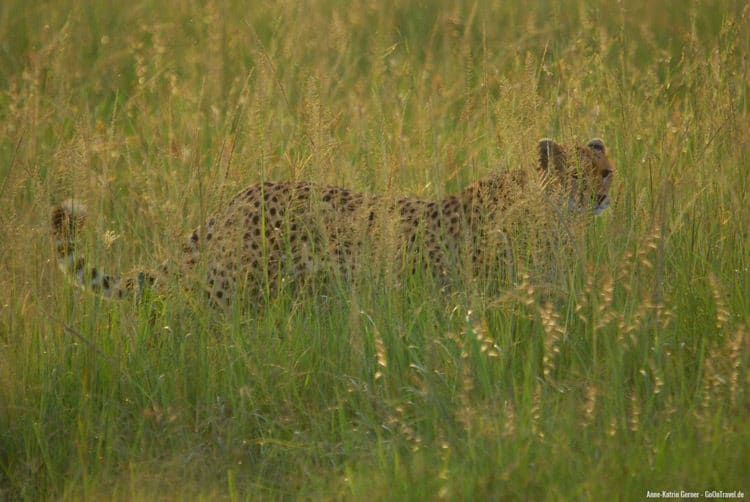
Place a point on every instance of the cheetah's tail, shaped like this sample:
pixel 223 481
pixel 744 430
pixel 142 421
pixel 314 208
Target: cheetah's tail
pixel 67 220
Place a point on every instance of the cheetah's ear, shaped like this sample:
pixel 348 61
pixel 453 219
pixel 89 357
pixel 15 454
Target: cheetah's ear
pixel 551 155
pixel 597 144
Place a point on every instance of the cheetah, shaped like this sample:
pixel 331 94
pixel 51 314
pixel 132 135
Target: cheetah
pixel 274 231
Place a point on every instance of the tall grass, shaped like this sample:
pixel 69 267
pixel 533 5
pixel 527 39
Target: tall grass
pixel 623 371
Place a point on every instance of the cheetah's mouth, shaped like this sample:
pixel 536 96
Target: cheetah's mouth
pixel 602 203
pixel 599 204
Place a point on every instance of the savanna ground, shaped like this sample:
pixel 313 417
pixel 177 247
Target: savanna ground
pixel 613 366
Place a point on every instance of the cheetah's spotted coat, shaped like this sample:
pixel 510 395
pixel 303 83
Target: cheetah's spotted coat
pixel 294 229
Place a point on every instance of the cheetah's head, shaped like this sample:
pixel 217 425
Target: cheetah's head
pixel 584 172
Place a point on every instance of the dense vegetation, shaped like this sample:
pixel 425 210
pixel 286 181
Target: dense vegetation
pixel 615 366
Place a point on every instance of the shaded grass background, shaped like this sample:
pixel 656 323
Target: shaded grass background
pixel 631 374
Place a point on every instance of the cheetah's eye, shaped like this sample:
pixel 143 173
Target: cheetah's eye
pixel 606 173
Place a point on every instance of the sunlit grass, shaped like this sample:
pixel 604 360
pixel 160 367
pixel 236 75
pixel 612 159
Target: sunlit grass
pixel 615 364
